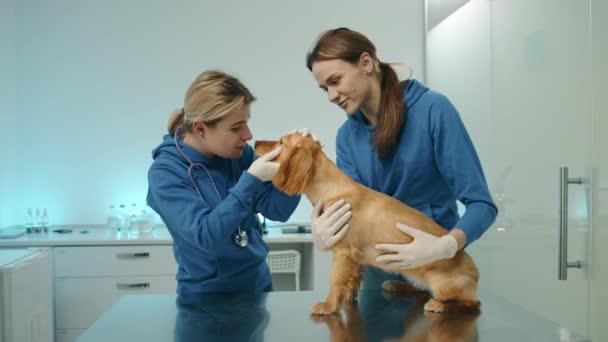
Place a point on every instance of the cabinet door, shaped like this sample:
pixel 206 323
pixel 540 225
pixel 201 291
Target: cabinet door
pixel 96 261
pixel 80 301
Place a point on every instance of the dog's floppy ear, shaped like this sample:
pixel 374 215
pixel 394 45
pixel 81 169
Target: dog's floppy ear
pixel 294 171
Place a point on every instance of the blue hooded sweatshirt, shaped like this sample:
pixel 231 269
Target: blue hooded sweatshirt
pixel 433 166
pixel 203 227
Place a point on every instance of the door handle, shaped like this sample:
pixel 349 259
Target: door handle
pixel 126 286
pixel 133 255
pixel 563 264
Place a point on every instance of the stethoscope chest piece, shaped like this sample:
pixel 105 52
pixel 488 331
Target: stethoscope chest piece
pixel 241 238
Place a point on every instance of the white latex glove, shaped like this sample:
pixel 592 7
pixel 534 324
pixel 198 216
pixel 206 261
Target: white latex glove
pixel 263 168
pixel 425 249
pixel 305 132
pixel 329 227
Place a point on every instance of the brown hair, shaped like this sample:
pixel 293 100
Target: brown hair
pixel 210 97
pixel 347 45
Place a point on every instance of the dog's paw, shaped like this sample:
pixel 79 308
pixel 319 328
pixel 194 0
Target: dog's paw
pixel 435 316
pixel 323 309
pixel 433 305
pixel 323 318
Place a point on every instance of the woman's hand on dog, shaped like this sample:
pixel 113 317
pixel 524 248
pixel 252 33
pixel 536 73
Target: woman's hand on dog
pixel 264 168
pixel 330 226
pixel 306 132
pixel 424 249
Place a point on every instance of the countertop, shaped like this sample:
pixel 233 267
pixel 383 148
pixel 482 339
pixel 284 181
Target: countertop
pixel 93 235
pixel 285 316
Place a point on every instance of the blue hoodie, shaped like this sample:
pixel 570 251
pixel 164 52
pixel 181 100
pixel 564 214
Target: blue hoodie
pixel 203 229
pixel 433 166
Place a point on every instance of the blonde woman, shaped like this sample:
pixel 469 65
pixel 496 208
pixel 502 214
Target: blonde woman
pixel 207 186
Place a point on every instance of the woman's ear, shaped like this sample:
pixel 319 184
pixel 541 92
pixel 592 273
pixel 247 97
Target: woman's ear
pixel 366 62
pixel 294 171
pixel 199 128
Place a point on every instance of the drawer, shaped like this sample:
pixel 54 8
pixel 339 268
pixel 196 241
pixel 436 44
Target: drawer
pixel 80 301
pixel 93 261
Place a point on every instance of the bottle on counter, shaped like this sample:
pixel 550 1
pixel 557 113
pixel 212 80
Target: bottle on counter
pixel 112 218
pixel 123 218
pixel 37 227
pixel 44 220
pixel 29 221
pixel 145 222
pixel 133 219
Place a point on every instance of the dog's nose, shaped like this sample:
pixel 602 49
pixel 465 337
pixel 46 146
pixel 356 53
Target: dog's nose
pixel 263 146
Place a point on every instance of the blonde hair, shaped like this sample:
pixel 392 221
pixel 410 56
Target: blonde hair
pixel 211 97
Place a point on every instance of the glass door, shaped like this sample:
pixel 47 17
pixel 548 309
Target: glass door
pixel 527 105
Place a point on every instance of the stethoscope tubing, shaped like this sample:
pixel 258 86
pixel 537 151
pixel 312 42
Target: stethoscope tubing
pixel 241 238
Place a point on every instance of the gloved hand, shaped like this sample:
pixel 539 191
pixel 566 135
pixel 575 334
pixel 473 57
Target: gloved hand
pixel 425 249
pixel 305 132
pixel 328 228
pixel 263 168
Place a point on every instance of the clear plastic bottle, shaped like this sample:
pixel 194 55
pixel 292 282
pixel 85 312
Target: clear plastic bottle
pixel 37 226
pixel 145 222
pixel 44 220
pixel 29 221
pixel 133 219
pixel 123 218
pixel 112 218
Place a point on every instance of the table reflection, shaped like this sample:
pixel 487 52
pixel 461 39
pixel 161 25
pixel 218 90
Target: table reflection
pixel 225 317
pixel 376 316
pixel 382 316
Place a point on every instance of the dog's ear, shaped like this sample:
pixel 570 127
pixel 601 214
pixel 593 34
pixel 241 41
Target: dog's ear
pixel 294 171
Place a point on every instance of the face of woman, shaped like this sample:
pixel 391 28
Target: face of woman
pixel 228 137
pixel 346 84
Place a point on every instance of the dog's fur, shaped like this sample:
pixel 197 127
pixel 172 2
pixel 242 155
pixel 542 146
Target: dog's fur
pixel 304 168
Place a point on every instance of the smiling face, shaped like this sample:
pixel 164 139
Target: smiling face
pixel 347 85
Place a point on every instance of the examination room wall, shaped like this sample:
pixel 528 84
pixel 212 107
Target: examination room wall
pixel 98 80
pixel 9 182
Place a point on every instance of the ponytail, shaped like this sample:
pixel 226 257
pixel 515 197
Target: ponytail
pixel 176 120
pixel 393 111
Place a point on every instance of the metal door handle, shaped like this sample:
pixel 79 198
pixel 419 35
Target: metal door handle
pixel 124 286
pixel 132 255
pixel 562 257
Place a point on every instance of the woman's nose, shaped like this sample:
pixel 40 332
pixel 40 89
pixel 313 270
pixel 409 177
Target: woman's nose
pixel 332 95
pixel 247 135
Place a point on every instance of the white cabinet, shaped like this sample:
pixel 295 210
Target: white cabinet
pixel 88 280
pixel 25 295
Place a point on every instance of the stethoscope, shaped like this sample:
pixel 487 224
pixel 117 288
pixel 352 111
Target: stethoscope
pixel 241 239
